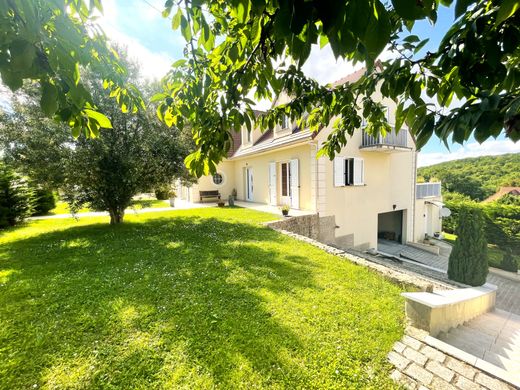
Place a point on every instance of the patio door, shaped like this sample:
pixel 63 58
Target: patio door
pixel 249 184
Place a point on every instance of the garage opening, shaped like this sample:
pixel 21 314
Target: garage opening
pixel 390 226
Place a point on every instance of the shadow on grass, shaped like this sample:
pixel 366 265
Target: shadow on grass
pixel 171 301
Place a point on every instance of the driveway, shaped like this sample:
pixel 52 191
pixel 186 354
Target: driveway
pixel 508 293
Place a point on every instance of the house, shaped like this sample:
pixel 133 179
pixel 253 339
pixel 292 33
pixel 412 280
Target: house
pixel 368 192
pixel 503 191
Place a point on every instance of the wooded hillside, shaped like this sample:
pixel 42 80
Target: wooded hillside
pixel 477 177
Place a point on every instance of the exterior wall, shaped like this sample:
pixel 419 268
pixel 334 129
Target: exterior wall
pixel 427 218
pixel 205 183
pixel 389 183
pixel 260 166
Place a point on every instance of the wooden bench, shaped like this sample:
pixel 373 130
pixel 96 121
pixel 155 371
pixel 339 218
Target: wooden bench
pixel 209 195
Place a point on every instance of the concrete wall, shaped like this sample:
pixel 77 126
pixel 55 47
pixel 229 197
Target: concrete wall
pixel 389 184
pixel 427 218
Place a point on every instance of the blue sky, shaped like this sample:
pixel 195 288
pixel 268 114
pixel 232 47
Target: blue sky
pixel 139 25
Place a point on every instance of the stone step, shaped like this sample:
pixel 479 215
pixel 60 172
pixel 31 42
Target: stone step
pixel 510 365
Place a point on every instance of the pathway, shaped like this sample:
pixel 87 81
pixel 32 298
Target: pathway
pixel 508 293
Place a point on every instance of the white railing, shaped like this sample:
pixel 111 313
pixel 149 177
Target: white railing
pixel 428 190
pixel 390 139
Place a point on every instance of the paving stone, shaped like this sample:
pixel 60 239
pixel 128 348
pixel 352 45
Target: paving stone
pixel 399 347
pixel 440 370
pixel 398 361
pixel 407 382
pixel 415 356
pixel 411 342
pixel 466 384
pixel 490 383
pixel 461 368
pixel 420 374
pixel 433 354
pixel 439 384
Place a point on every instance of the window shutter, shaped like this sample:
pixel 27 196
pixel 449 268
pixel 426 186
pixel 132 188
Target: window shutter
pixel 359 172
pixel 295 184
pixel 272 183
pixel 339 171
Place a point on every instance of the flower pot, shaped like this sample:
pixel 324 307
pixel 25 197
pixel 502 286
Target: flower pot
pixel 172 202
pixel 285 213
pixel 221 204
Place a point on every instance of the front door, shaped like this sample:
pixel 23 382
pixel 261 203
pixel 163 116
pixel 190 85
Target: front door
pixel 249 184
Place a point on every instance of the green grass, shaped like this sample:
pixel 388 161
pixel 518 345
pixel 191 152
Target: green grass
pixel 63 207
pixel 205 298
pixel 495 254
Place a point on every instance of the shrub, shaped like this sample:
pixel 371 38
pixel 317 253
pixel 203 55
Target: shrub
pixel 468 260
pixel 16 198
pixel 163 193
pixel 44 201
pixel 508 262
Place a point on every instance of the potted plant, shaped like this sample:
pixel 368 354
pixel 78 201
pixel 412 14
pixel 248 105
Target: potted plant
pixel 234 194
pixel 285 210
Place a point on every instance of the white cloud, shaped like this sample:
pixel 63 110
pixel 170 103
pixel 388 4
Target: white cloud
pixel 473 149
pixel 324 68
pixel 154 65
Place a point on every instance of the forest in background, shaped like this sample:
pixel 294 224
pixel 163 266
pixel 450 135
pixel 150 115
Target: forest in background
pixel 477 178
pixel 467 182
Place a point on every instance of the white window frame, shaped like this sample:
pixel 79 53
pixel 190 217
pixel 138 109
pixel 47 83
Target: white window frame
pixel 222 175
pixel 285 122
pixel 342 176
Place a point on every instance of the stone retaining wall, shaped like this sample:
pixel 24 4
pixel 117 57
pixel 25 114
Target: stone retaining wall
pixel 305 225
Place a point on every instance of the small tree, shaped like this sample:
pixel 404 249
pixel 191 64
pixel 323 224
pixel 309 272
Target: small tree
pixel 16 198
pixel 468 260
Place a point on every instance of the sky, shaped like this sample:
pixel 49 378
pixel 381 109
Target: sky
pixel 139 25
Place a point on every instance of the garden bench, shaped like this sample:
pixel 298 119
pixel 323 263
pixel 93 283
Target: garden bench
pixel 209 195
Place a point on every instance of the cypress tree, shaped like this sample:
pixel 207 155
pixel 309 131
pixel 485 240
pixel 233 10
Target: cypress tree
pixel 468 262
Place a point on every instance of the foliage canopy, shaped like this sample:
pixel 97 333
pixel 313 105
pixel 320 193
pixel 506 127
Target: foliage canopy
pixel 246 49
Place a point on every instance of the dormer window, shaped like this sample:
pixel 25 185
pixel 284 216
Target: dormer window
pixel 249 136
pixel 285 122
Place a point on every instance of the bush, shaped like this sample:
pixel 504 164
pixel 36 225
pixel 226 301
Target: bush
pixel 468 260
pixel 508 262
pixel 163 193
pixel 16 198
pixel 44 201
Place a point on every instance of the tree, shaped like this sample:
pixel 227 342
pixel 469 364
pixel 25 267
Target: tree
pixel 16 197
pixel 137 154
pixel 468 261
pixel 246 48
pixel 49 41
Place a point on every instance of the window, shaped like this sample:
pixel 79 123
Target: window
pixel 348 172
pixel 248 136
pixel 285 179
pixel 285 122
pixel 218 179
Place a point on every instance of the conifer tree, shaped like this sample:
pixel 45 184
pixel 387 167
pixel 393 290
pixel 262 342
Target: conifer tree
pixel 468 260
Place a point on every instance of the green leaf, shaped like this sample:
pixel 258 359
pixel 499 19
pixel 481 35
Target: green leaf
pixel 413 9
pixel 399 116
pixel 13 80
pixel 378 31
pixel 76 73
pixel 461 6
pixel 49 99
pixel 23 54
pixel 101 119
pixel 506 10
pixel 185 28
pixel 176 20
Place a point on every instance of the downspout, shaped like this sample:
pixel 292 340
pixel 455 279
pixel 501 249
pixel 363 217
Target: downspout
pixel 414 190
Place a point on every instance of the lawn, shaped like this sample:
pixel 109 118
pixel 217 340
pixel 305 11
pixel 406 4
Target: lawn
pixel 205 298
pixel 138 204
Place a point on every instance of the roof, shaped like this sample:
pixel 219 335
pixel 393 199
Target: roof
pixel 267 142
pixel 501 192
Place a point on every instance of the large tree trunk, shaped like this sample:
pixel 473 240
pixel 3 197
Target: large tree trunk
pixel 116 216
